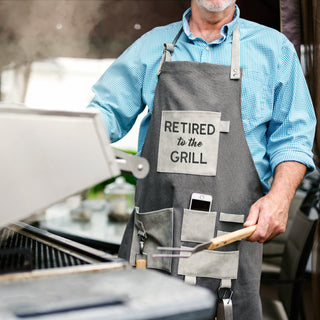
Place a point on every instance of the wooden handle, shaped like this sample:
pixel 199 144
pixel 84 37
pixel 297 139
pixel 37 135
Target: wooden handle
pixel 141 261
pixel 141 264
pixel 231 237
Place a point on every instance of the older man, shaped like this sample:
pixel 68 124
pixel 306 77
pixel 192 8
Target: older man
pixel 228 108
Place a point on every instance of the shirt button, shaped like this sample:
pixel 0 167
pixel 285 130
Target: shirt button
pixel 207 48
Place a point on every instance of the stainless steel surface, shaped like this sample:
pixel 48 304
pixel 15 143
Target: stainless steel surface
pixel 118 294
pixel 47 156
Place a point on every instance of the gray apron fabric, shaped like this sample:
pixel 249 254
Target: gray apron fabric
pixel 196 143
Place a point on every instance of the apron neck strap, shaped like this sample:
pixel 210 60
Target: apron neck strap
pixel 168 50
pixel 235 58
pixel 177 36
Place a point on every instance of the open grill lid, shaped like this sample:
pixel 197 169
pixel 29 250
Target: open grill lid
pixel 47 156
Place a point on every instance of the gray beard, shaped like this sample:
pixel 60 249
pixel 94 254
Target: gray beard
pixel 214 8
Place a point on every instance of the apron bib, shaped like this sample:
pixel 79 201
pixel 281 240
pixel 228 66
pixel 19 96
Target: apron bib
pixel 196 143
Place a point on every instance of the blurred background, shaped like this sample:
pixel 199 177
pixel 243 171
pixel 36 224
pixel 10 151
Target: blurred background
pixel 53 51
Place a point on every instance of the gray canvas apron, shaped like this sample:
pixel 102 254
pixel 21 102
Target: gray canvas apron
pixel 196 143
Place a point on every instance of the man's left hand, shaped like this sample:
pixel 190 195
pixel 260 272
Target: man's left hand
pixel 270 212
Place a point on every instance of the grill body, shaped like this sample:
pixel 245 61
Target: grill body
pixel 57 272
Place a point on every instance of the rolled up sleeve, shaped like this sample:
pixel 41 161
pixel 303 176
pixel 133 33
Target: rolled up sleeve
pixel 292 128
pixel 117 94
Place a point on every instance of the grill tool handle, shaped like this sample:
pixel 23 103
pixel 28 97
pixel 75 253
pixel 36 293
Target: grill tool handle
pixel 127 162
pixel 231 237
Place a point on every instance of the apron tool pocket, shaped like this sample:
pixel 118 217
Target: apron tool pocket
pixel 229 222
pixel 228 217
pixel 156 227
pixel 198 226
pixel 211 264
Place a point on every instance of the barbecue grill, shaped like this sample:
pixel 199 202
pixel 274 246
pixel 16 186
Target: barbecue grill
pixel 47 156
pixel 24 248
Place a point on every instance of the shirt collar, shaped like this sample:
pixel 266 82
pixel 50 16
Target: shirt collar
pixel 226 30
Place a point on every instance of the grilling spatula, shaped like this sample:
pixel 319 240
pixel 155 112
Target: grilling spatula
pixel 212 244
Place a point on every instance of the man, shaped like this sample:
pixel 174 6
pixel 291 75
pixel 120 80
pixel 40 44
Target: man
pixel 228 109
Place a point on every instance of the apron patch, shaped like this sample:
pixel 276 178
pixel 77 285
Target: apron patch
pixel 189 142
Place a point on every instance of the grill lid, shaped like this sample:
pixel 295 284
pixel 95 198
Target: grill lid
pixel 47 156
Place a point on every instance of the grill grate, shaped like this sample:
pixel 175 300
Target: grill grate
pixel 19 252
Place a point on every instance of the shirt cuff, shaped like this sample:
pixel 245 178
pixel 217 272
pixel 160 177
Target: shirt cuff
pixel 293 155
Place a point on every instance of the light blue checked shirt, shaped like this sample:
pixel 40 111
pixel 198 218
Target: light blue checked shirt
pixel 277 112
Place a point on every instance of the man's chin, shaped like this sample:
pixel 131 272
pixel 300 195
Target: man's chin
pixel 215 6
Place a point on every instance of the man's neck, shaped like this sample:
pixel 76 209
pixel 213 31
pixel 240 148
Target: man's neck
pixel 207 25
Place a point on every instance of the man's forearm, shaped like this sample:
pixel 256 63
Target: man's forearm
pixel 271 211
pixel 287 177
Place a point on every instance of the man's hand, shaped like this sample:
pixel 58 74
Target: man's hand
pixel 270 212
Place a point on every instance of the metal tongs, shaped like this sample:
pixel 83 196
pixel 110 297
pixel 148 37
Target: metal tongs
pixel 212 244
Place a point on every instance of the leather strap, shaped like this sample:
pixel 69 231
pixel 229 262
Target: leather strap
pixel 235 60
pixel 224 309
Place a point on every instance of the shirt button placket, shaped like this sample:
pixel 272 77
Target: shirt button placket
pixel 205 53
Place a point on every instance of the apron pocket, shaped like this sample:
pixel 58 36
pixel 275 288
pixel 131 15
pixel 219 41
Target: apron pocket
pixel 229 217
pixel 211 264
pixel 157 228
pixel 229 222
pixel 198 226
